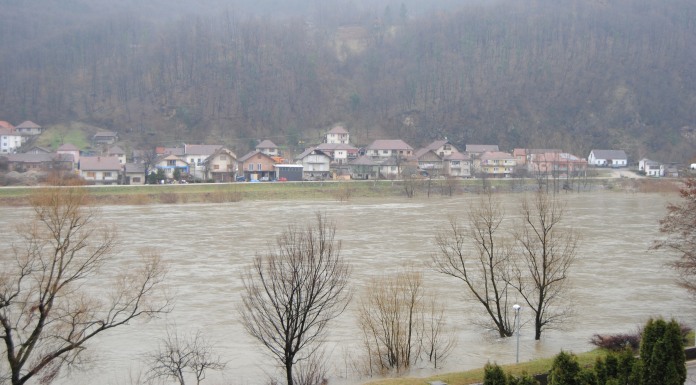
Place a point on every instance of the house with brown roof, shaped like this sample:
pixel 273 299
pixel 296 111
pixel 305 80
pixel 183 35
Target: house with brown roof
pixel 29 128
pixel 369 167
pixel 222 166
pixel 387 148
pixel 316 164
pixel 256 165
pixel 69 148
pixel 497 164
pixel 196 155
pixel 442 148
pixel 269 148
pixel 458 164
pixel 39 162
pixel 100 169
pixel 134 174
pixel 429 161
pixel 105 137
pixel 169 164
pixel 554 162
pixel 338 135
pixel 117 152
pixel 340 153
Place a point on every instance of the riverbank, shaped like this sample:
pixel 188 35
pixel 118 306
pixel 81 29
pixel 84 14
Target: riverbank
pixel 339 190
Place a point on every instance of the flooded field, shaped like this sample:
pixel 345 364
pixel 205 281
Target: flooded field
pixel 617 283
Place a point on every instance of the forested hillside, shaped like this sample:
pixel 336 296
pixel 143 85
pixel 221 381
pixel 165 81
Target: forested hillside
pixel 539 73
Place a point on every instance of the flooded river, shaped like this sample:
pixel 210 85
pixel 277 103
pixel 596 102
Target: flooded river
pixel 617 283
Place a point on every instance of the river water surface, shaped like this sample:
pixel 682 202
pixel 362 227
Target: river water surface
pixel 617 283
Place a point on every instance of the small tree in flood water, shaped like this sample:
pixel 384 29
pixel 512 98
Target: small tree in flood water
pixel 293 292
pixel 485 270
pixel 546 253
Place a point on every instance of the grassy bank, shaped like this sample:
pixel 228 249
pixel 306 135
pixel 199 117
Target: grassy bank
pixel 476 376
pixel 340 190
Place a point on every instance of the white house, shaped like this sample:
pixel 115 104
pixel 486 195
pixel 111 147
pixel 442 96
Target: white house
pixel 338 135
pixel 29 128
pixel 222 166
pixel 196 155
pixel 68 148
pixel 395 148
pixel 651 168
pixel 10 141
pixel 269 148
pixel 340 153
pixel 100 169
pixel 608 158
pixel 316 164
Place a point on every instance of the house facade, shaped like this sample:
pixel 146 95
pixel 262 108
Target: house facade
pixel 71 149
pixel 29 128
pixel 39 162
pixel 429 161
pixel 316 164
pixel 651 168
pixel 554 163
pixel 170 163
pixel 105 137
pixel 608 158
pixel 269 148
pixel 117 152
pixel 134 174
pixel 458 165
pixel 340 153
pixel 257 165
pixel 196 155
pixel 388 148
pixel 338 135
pixel 497 164
pixel 100 169
pixel 10 141
pixel 222 166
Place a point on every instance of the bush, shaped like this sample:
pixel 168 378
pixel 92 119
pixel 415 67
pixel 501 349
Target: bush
pixel 493 375
pixel 616 342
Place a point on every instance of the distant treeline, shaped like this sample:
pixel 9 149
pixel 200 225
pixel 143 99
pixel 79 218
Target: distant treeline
pixel 565 74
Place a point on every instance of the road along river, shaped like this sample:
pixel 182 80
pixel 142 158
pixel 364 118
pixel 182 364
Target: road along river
pixel 617 283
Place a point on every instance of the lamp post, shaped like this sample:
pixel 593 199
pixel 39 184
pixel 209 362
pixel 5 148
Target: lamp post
pixel 517 308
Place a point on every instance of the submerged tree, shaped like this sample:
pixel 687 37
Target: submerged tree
pixel 293 292
pixel 679 227
pixel 485 270
pixel 400 323
pixel 181 356
pixel 546 252
pixel 55 295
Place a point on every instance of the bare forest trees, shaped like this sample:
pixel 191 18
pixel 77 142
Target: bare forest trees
pixel 679 228
pixel 401 323
pixel 498 265
pixel 178 355
pixel 293 292
pixel 54 293
pixel 547 251
pixel 486 268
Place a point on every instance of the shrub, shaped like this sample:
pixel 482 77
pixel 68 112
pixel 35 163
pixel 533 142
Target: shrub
pixel 616 342
pixel 493 374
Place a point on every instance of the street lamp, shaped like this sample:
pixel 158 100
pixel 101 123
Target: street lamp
pixel 517 308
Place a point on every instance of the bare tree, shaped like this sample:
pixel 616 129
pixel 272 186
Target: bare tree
pixel 294 291
pixel 679 227
pixel 179 355
pixel 486 269
pixel 399 323
pixel 46 311
pixel 546 253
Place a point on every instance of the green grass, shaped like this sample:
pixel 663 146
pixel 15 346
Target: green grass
pixel 476 376
pixel 74 133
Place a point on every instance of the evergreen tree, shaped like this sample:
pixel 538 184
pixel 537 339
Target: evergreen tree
pixel 565 370
pixel 493 375
pixel 662 354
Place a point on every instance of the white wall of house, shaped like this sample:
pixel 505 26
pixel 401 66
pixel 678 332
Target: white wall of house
pixel 100 176
pixel 337 138
pixel 316 162
pixel 9 143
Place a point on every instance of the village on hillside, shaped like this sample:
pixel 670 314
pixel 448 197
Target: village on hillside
pixel 333 159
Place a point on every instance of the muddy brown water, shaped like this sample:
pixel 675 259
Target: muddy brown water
pixel 617 282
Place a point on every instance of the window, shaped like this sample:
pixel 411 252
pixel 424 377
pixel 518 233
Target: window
pixel 135 179
pixel 171 163
pixel 91 174
pixel 107 174
pixel 216 167
pixel 259 167
pixel 251 167
pixel 385 152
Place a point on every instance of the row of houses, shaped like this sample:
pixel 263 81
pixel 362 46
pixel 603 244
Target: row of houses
pixel 335 157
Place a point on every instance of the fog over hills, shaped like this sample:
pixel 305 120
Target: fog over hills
pixel 540 73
